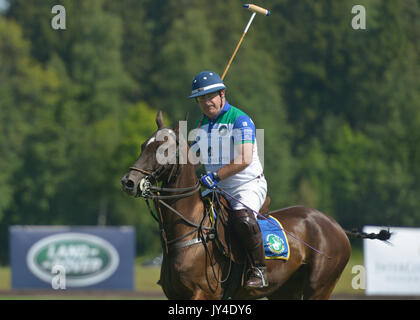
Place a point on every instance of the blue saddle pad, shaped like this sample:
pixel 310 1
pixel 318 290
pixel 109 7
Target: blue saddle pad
pixel 275 241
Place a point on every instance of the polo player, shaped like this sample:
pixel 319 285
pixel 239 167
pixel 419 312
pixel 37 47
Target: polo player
pixel 229 153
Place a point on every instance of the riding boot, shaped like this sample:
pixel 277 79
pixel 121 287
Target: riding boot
pixel 248 232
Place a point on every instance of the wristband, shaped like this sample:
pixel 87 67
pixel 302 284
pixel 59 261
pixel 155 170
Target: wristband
pixel 216 176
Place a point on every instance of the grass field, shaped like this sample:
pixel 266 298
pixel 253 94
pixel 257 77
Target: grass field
pixel 344 285
pixel 146 287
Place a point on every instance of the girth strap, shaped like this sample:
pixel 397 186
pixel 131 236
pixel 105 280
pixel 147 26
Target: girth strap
pixel 186 243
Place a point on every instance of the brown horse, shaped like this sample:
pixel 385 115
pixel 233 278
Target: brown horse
pixel 194 266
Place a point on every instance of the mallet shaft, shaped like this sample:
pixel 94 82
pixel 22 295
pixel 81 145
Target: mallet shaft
pixel 238 45
pixel 254 9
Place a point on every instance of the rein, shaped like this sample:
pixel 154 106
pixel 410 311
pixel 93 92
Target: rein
pixel 153 192
pixel 148 191
pixel 263 217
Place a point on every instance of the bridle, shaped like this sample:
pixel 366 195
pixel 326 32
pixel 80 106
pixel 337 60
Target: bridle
pixel 149 189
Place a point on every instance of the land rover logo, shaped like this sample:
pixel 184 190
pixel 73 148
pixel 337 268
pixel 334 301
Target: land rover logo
pixel 87 259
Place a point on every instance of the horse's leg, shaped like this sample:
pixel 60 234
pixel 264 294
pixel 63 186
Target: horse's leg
pixel 292 289
pixel 199 295
pixel 204 295
pixel 324 274
pixel 321 293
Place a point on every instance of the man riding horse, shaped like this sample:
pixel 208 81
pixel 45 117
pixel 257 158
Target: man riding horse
pixel 235 166
pixel 320 248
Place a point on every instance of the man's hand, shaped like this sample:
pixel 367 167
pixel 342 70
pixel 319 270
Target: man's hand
pixel 210 180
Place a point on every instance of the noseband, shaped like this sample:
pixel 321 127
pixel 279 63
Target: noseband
pixel 148 191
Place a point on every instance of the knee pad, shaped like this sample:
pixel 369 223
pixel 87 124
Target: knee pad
pixel 245 221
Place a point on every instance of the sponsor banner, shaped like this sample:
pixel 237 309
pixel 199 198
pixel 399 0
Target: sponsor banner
pixel 393 268
pixel 61 257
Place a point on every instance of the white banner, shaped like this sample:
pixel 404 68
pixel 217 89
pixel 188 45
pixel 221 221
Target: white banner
pixel 393 269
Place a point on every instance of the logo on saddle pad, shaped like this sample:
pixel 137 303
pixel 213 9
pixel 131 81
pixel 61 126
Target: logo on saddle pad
pixel 275 243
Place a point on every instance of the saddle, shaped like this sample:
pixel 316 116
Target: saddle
pixel 228 244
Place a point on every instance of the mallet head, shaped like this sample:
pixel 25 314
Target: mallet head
pixel 254 8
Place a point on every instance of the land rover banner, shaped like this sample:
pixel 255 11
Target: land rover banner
pixel 60 257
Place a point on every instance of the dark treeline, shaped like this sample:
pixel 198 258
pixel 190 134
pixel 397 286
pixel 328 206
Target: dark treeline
pixel 340 108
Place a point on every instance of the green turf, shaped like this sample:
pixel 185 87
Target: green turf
pixel 344 285
pixel 4 278
pixel 146 278
pixel 145 281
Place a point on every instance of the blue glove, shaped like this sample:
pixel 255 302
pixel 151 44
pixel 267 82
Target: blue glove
pixel 210 180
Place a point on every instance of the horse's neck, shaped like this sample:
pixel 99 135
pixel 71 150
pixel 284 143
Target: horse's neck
pixel 190 207
pixel 185 177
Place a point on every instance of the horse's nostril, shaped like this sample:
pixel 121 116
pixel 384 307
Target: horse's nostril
pixel 129 184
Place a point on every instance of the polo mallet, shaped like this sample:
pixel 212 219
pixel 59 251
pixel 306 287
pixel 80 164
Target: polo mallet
pixel 254 9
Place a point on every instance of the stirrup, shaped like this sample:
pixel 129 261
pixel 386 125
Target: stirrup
pixel 257 272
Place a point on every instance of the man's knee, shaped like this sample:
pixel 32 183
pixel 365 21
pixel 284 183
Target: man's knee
pixel 244 220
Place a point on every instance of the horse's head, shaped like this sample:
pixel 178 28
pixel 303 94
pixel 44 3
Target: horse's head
pixel 156 161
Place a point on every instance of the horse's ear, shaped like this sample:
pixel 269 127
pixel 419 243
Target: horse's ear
pixel 159 120
pixel 176 129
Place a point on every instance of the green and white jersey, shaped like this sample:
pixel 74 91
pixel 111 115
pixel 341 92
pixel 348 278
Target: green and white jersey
pixel 216 140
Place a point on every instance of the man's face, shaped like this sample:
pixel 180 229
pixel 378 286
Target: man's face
pixel 211 103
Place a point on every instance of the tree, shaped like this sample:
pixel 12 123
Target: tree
pixel 28 95
pixel 186 50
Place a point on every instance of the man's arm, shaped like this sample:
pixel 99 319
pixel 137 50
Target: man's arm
pixel 242 159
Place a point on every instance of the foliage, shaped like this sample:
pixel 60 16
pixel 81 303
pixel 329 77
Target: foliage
pixel 339 107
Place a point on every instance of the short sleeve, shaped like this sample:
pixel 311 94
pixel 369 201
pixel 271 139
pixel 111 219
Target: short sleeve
pixel 243 130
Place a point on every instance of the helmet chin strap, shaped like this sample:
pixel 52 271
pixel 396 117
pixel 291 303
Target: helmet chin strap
pixel 221 101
